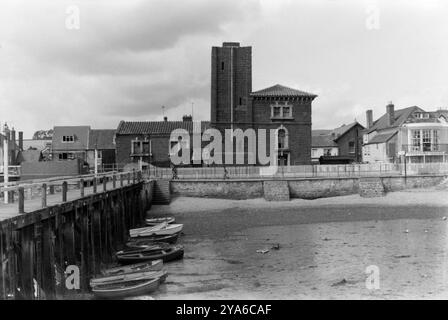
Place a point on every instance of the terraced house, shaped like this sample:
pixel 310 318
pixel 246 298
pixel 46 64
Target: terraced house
pixel 410 135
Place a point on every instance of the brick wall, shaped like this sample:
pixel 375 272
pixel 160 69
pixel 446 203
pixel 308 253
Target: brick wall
pixel 221 80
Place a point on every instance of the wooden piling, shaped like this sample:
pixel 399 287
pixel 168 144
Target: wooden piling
pixel 114 181
pixel 44 195
pixel 51 189
pixel 21 191
pixel 104 184
pixel 64 191
pixel 81 188
pixel 94 185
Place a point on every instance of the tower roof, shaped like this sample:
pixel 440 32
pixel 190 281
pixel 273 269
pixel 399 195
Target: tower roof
pixel 281 91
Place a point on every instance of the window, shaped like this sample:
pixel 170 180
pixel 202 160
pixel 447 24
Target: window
pixel 282 142
pixel 222 65
pixel 314 153
pixel 424 140
pixel 281 111
pixel 277 112
pixel 141 147
pixel 68 138
pixel 66 156
pixel 351 146
pixel 422 115
pixel 241 101
pixel 327 152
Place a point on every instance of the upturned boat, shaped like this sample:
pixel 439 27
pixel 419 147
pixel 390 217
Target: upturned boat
pixel 156 221
pixel 163 251
pixel 129 285
pixel 161 229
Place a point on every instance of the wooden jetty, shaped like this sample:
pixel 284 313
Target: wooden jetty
pixel 51 225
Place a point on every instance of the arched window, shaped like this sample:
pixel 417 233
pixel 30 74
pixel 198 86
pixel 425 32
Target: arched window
pixel 282 134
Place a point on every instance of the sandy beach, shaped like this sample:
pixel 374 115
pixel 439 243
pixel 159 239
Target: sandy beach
pixel 317 249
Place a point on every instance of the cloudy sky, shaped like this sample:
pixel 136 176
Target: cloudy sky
pixel 129 57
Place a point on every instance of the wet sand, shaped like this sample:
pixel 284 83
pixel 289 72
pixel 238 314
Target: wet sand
pixel 321 243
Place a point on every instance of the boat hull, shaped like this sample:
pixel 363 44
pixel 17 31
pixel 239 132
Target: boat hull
pixel 175 253
pixel 139 241
pixel 166 229
pixel 129 289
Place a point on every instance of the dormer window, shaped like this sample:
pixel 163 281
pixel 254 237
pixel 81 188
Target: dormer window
pixel 422 115
pixel 67 139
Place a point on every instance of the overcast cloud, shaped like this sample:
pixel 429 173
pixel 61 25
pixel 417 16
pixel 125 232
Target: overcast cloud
pixel 131 57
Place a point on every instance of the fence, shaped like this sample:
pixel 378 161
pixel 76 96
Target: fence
pixel 20 191
pixel 303 171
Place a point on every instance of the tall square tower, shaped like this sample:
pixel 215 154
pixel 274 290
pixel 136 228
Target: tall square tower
pixel 231 84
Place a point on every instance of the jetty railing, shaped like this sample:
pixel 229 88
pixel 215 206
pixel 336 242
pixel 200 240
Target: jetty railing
pixel 19 191
pixel 297 171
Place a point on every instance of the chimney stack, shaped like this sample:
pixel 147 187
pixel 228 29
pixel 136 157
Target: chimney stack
pixel 390 113
pixel 369 118
pixel 165 118
pixel 21 140
pixel 187 118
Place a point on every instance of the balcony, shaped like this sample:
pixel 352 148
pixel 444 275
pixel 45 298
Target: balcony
pixel 425 148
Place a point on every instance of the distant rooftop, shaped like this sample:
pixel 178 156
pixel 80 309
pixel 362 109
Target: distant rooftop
pixel 157 127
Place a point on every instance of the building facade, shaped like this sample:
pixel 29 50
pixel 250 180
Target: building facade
pixel 411 134
pixel 234 106
pixel 81 142
pixel 150 142
pixel 340 145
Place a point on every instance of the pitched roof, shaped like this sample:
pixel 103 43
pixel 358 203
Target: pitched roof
pixel 281 91
pixel 80 133
pixel 102 139
pixel 328 138
pixel 29 156
pixel 320 141
pixel 400 117
pixel 157 127
pixel 340 131
pixel 382 138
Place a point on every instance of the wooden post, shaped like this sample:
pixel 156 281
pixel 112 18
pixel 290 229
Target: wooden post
pixel 64 191
pixel 104 183
pixel 48 260
pixel 44 195
pixel 51 189
pixel 94 185
pixel 114 181
pixel 133 176
pixel 26 271
pixel 38 255
pixel 11 196
pixel 121 180
pixel 81 188
pixel 129 178
pixel 21 200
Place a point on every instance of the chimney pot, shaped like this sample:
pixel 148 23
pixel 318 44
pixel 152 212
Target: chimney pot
pixel 390 108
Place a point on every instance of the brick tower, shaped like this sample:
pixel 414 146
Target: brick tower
pixel 231 84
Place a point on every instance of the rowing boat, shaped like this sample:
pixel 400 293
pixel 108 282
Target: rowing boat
pixel 154 265
pixel 163 251
pixel 139 241
pixel 156 221
pixel 161 229
pixel 129 287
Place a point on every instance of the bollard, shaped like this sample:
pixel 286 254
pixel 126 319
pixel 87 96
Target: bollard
pixel 21 200
pixel 44 195
pixel 81 188
pixel 64 191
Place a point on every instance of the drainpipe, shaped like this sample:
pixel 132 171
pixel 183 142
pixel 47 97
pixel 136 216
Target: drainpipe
pixel 6 166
